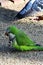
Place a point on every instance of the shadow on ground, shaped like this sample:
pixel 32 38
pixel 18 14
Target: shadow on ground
pixel 7 15
pixel 5 49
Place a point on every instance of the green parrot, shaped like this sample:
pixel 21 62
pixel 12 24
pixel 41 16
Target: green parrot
pixel 20 41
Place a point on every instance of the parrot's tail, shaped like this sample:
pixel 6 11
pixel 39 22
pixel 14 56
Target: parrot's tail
pixel 30 48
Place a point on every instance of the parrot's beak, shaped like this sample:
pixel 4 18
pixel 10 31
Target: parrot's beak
pixel 6 33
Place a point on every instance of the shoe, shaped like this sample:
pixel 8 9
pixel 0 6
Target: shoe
pixel 19 16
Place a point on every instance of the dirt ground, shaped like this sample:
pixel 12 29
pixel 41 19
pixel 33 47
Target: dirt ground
pixel 34 29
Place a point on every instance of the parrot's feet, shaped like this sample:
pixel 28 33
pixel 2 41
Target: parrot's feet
pixel 10 43
pixel 11 39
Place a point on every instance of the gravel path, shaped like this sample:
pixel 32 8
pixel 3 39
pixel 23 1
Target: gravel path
pixel 32 28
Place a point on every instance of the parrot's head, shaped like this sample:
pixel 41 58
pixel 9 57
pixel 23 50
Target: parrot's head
pixel 10 33
pixel 12 29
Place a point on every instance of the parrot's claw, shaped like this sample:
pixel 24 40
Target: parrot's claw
pixel 10 43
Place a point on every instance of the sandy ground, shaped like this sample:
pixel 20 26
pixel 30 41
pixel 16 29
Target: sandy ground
pixel 34 29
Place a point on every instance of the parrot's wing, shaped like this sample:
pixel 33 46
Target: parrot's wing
pixel 26 48
pixel 23 39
